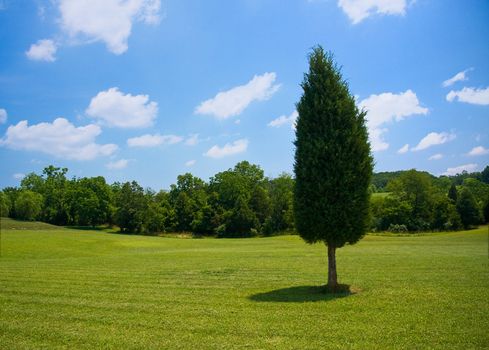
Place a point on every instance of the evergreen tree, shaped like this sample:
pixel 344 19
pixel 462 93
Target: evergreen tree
pixel 468 209
pixel 452 193
pixel 333 165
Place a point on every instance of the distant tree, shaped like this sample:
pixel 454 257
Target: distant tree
pixel 485 210
pixel 445 215
pixel 479 189
pixel 281 191
pixel 468 209
pixel 452 193
pixel 4 205
pixel 417 190
pixel 333 165
pixel 187 197
pixel 54 190
pixel 132 205
pixel 393 211
pixel 485 175
pixel 240 200
pixel 11 194
pixel 28 205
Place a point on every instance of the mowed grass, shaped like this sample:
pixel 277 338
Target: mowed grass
pixel 86 289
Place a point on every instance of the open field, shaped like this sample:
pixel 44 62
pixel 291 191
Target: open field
pixel 85 289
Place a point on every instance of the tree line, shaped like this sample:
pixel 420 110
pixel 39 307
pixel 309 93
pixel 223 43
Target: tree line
pixel 239 202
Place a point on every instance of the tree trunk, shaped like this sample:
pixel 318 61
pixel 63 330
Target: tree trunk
pixel 332 276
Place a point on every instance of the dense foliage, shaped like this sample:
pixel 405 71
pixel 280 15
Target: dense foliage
pixel 420 202
pixel 236 202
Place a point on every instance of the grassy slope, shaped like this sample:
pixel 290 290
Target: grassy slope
pixel 82 289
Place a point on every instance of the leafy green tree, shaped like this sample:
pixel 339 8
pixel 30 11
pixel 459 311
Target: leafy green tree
pixel 132 205
pixel 479 190
pixel 333 165
pixel 11 194
pixel 4 205
pixel 240 200
pixel 187 197
pixel 54 190
pixel 485 175
pixel 281 191
pixel 394 211
pixel 28 205
pixel 452 193
pixel 415 188
pixel 468 209
pixel 485 210
pixel 445 215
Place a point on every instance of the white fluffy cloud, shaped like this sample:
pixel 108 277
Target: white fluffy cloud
pixel 234 101
pixel 108 21
pixel 117 165
pixel 285 120
pixel 153 140
pixel 461 168
pixel 386 108
pixel 437 156
pixel 190 163
pixel 59 138
pixel 403 149
pixel 238 146
pixel 478 151
pixel 470 95
pixel 3 116
pixel 117 109
pixel 358 10
pixel 433 139
pixel 460 76
pixel 43 50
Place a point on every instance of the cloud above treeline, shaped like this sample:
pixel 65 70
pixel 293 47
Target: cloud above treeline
pixel 149 140
pixel 433 139
pixel 107 21
pixel 60 139
pixel 470 95
pixel 386 108
pixel 43 50
pixel 117 109
pixel 358 10
pixel 234 101
pixel 229 149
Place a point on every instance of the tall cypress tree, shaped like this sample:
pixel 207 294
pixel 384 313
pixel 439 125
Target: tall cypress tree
pixel 333 163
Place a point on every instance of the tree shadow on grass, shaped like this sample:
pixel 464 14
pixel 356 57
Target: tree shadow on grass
pixel 302 294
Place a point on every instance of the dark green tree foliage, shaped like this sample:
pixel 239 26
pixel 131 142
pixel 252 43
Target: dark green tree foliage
pixel 485 175
pixel 333 165
pixel 188 196
pixel 54 191
pixel 416 189
pixel 28 205
pixel 281 191
pixel 452 193
pixel 485 210
pixel 132 205
pixel 4 205
pixel 468 209
pixel 445 215
pixel 239 195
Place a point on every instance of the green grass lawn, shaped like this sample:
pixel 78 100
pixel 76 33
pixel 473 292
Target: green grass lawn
pixel 67 288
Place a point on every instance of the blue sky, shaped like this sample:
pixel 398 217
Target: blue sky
pixel 146 89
